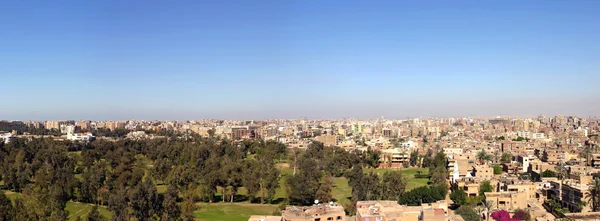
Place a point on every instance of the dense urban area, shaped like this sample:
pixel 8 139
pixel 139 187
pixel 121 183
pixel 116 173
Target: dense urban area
pixel 540 168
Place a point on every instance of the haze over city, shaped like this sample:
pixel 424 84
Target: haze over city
pixel 114 60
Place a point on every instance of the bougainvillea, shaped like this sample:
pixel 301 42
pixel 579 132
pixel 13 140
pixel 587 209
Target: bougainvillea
pixel 502 215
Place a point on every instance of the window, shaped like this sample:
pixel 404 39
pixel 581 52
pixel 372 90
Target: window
pixel 338 218
pixel 329 218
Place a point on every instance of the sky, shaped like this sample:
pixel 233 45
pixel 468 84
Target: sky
pixel 146 59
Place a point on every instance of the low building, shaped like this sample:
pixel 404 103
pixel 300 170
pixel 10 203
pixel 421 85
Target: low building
pixel 394 158
pixel 392 211
pixel 265 218
pixel 507 200
pixel 6 137
pixel 80 137
pixel 325 212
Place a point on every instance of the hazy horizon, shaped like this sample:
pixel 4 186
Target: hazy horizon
pixel 190 60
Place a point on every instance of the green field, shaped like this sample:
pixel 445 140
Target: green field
pixel 75 208
pixel 232 211
pixel 409 173
pixel 82 209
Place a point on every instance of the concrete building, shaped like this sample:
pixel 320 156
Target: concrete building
pixel 325 212
pixel 392 211
pixel 394 157
pixel 5 136
pixel 507 200
pixel 265 218
pixel 327 140
pixel 80 137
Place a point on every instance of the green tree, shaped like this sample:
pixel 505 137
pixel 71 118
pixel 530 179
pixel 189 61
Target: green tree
pixel 94 215
pixel 459 197
pixel 482 156
pixel 6 208
pixel 485 187
pixel 548 173
pixel 414 156
pixel 593 195
pixel 497 169
pixel 117 203
pixel 188 207
pixel 144 201
pixel 468 213
pixel 393 185
pixel 323 194
pixel 506 157
pixel 170 208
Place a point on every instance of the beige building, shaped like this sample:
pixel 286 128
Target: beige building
pixel 394 157
pixel 265 218
pixel 327 140
pixel 327 212
pixel 392 211
pixel 507 200
pixel 483 172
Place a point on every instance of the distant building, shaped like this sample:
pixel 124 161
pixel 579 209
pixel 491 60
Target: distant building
pixel 80 137
pixel 6 137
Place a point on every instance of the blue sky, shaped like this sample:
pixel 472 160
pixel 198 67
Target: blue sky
pixel 286 59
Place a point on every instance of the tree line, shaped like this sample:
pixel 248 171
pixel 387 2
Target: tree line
pixel 122 175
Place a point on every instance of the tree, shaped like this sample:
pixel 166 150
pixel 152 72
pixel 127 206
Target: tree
pixel 393 185
pixel 414 156
pixel 188 207
pixel 144 201
pixel 6 208
pixel 482 156
pixel 117 203
pixel 485 187
pixel 468 213
pixel 497 169
pixel 305 183
pixel 323 194
pixel 170 208
pixel 506 157
pixel 459 197
pixel 548 173
pixel 427 158
pixel 593 195
pixel 489 205
pixel 94 215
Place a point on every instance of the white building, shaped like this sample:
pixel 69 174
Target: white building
pixel 6 137
pixel 80 137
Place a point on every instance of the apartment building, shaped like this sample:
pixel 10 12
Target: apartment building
pixel 507 200
pixel 459 166
pixel 327 212
pixel 552 155
pixel 394 157
pixel 327 140
pixel 483 172
pixel 571 192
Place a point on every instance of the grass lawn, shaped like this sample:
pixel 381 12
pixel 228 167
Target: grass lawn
pixel 82 209
pixel 232 212
pixel 75 208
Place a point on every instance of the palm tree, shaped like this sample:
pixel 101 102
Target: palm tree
pixel 489 205
pixel 593 195
pixel 483 156
pixel 480 211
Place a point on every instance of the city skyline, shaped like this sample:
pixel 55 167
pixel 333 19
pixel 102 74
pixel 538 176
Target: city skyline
pixel 109 60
